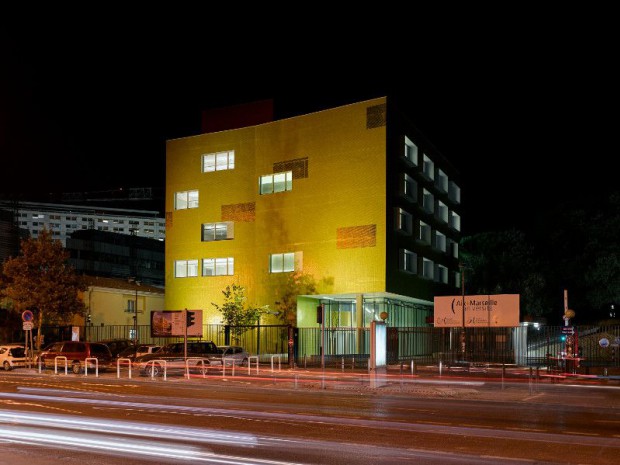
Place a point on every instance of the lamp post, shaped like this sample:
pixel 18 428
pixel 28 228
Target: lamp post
pixel 136 283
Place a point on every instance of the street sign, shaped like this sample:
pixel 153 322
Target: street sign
pixel 568 330
pixel 28 325
pixel 27 315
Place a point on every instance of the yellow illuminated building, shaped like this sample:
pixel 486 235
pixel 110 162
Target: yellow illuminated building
pixel 352 196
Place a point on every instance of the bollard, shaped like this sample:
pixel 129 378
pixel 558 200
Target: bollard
pixel 412 368
pixel 353 363
pixel 343 364
pixel 440 367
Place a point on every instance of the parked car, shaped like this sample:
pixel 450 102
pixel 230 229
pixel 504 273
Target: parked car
pixel 76 353
pixel 117 345
pixel 231 354
pixel 136 351
pixel 174 356
pixel 12 355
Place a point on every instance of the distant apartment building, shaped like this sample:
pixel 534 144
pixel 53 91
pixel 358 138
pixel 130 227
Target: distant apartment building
pixel 64 219
pixel 354 197
pixel 114 255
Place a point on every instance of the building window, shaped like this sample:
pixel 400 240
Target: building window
pixel 455 221
pixel 408 261
pixel 218 161
pixel 185 268
pixel 428 268
pixel 218 231
pixel 282 262
pixel 442 212
pixel 428 201
pixel 277 182
pixel 186 199
pixel 218 266
pixel 428 168
pixel 454 192
pixel 408 187
pixel 442 274
pixel 455 249
pixel 410 152
pixel 441 241
pixel 442 181
pixel 425 233
pixel 404 221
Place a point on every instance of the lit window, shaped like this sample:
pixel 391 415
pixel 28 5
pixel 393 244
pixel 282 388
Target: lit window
pixel 428 168
pixel 425 233
pixel 441 274
pixel 442 211
pixel 408 261
pixel 218 266
pixel 218 161
pixel 440 241
pixel 218 231
pixel 428 201
pixel 277 182
pixel 455 221
pixel 408 187
pixel 186 199
pixel 428 268
pixel 411 152
pixel 442 181
pixel 282 262
pixel 404 221
pixel 185 268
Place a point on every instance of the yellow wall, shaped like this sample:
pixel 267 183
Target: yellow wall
pixel 108 306
pixel 345 187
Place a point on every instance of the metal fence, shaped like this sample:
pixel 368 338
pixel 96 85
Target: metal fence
pixel 523 345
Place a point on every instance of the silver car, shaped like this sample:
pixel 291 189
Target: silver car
pixel 231 354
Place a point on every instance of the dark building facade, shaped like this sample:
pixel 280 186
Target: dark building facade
pixel 112 255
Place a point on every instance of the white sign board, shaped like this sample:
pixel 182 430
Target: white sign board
pixel 500 310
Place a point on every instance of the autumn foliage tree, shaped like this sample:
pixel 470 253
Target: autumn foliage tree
pixel 41 279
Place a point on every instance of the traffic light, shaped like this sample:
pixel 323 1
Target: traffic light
pixel 319 314
pixel 189 318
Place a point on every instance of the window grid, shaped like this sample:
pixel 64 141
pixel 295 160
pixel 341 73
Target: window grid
pixel 282 262
pixel 186 199
pixel 219 161
pixel 218 266
pixel 185 268
pixel 276 182
pixel 217 231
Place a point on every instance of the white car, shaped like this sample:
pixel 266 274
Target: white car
pixel 11 356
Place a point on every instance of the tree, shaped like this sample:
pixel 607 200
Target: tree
pixel 235 311
pixel 295 284
pixel 41 279
pixel 504 263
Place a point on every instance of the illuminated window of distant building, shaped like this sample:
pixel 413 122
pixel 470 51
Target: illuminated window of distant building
pixel 282 262
pixel 455 249
pixel 410 152
pixel 186 199
pixel 455 221
pixel 276 182
pixel 408 187
pixel 442 181
pixel 424 235
pixel 404 221
pixel 442 212
pixel 218 231
pixel 428 201
pixel 454 192
pixel 428 268
pixel 185 268
pixel 440 241
pixel 218 266
pixel 441 274
pixel 428 168
pixel 218 161
pixel 408 261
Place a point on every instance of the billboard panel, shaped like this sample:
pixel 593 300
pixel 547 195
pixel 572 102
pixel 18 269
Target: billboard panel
pixel 172 323
pixel 500 310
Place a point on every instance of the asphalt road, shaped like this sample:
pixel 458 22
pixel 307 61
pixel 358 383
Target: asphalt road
pixel 306 417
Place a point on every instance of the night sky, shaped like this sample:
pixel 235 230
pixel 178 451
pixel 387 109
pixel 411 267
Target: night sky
pixel 524 111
